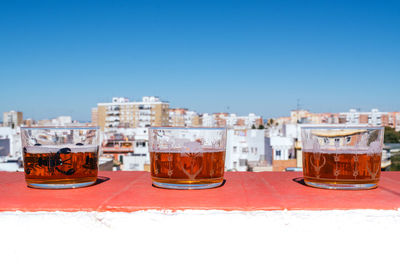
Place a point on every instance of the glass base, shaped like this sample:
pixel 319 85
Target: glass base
pixel 186 186
pixel 60 186
pixel 184 183
pixel 341 186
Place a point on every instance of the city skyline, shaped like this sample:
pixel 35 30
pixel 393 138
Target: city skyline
pixel 64 57
pixel 286 115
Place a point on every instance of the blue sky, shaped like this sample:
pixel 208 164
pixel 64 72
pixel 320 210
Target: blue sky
pixel 63 57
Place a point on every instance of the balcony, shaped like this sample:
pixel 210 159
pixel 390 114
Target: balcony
pixel 113 113
pixel 112 118
pixel 118 147
pixel 113 108
pixel 112 124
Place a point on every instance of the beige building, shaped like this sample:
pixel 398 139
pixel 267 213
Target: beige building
pixel 121 113
pixel 94 116
pixel 181 117
pixel 12 118
pixel 304 116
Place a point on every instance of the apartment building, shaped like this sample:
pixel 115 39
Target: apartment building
pixel 304 116
pixel 181 117
pixel 231 120
pixel 244 148
pixel 12 119
pixel 10 143
pixel 94 116
pixel 122 113
pixel 207 120
pixel 394 120
pixel 373 117
pixel 353 116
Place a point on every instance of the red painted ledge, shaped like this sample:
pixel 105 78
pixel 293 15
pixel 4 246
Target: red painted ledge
pixel 245 191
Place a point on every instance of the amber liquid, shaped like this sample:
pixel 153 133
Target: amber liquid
pixel 60 168
pixel 341 168
pixel 187 168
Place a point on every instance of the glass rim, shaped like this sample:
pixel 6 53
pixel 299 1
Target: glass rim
pixel 339 126
pixel 186 128
pixel 60 127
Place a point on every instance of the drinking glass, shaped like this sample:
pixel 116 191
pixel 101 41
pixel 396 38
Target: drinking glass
pixel 60 157
pixel 342 157
pixel 187 158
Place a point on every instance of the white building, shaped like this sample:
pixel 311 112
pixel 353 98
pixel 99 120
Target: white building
pixel 244 146
pixel 208 120
pixel 137 160
pixel 282 147
pixel 231 120
pixel 13 145
pixel 121 113
pixel 292 130
pixel 251 119
pixel 62 121
pixel 281 142
pixel 373 117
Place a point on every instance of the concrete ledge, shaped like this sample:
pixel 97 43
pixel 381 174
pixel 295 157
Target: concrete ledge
pixel 243 191
pixel 255 219
pixel 201 238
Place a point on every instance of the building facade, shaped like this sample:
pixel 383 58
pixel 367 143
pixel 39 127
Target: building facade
pixel 12 119
pixel 244 148
pixel 373 117
pixel 122 113
pixel 231 120
pixel 181 117
pixel 94 116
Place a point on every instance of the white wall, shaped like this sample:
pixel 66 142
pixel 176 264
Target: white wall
pixel 204 238
pixel 256 144
pixel 282 146
pixel 208 120
pixel 15 140
pixel 134 163
pixel 243 146
pixel 236 146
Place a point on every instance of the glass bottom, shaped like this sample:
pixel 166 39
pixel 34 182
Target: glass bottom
pixel 60 186
pixel 187 184
pixel 352 185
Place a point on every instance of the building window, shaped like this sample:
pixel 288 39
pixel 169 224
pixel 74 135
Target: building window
pixel 278 153
pixel 242 162
pixel 141 144
pixel 234 149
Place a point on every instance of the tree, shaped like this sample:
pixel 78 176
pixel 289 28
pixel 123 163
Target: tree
pixel 253 127
pixel 261 127
pixel 270 122
pixel 391 136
